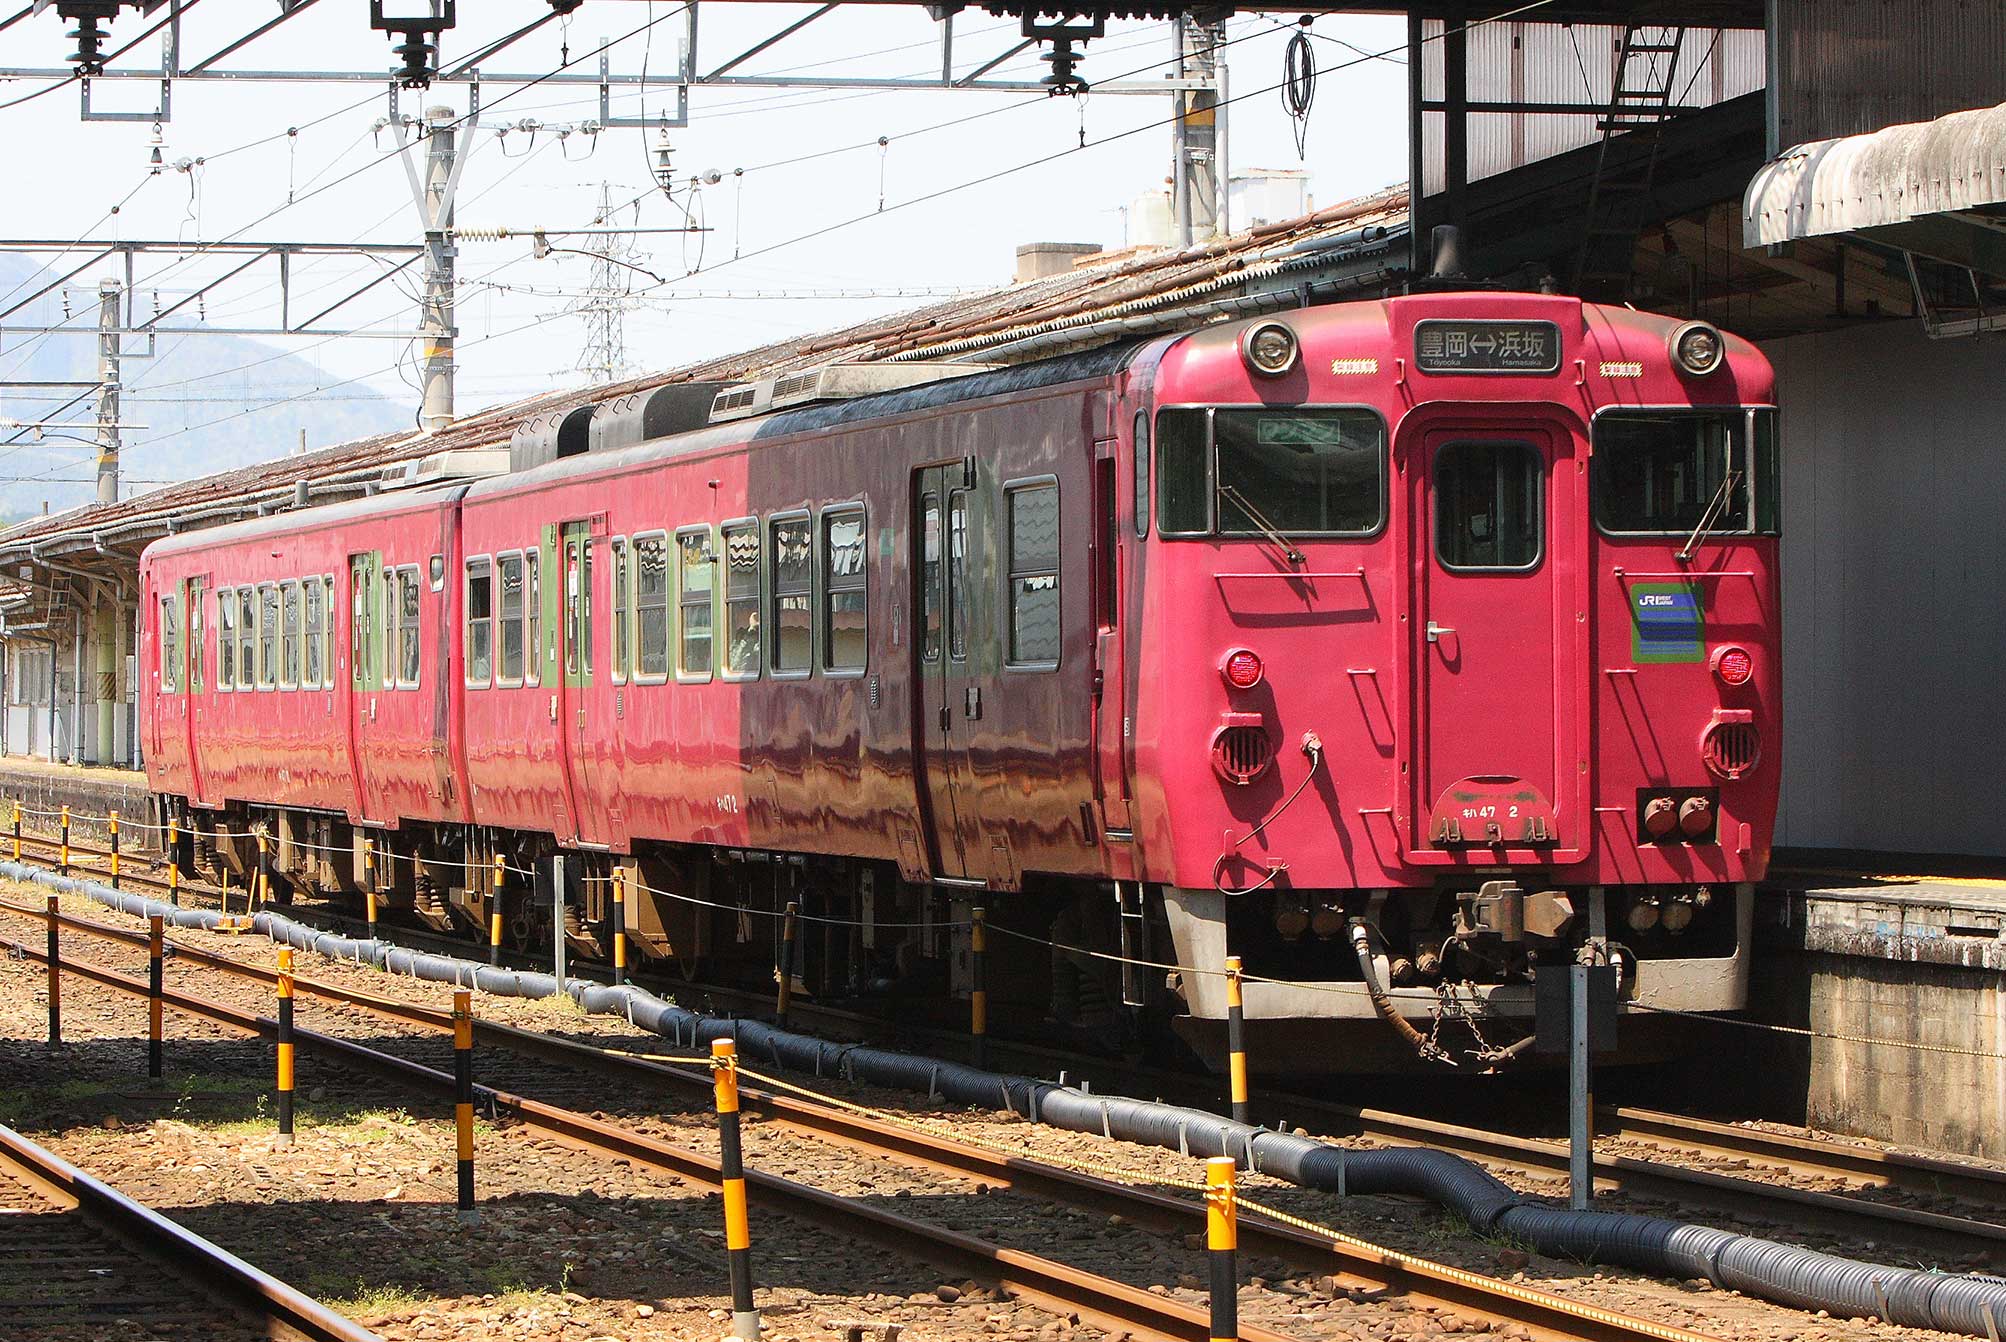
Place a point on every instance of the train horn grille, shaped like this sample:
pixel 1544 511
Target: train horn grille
pixel 1731 749
pixel 1241 753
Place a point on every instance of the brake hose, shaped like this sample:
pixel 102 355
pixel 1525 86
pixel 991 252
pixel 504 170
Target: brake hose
pixel 1312 746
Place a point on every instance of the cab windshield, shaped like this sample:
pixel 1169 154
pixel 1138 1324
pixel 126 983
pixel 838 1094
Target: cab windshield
pixel 1255 472
pixel 1664 472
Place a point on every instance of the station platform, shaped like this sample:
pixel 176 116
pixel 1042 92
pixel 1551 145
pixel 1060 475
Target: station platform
pixel 1941 920
pixel 89 791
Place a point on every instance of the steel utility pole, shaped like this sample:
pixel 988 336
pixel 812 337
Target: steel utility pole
pixel 108 389
pixel 435 322
pixel 1199 190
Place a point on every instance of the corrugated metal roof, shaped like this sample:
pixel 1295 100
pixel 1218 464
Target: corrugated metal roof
pixel 1956 162
pixel 1120 283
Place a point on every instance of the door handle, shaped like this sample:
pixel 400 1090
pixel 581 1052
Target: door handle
pixel 1435 631
pixel 971 703
pixel 553 708
pixel 944 713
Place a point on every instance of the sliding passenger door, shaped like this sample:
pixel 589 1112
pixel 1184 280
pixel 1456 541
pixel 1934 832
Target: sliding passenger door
pixel 945 540
pixel 364 644
pixel 579 708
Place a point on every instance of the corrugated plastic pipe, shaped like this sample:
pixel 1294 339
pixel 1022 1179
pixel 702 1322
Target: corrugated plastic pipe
pixel 1950 1302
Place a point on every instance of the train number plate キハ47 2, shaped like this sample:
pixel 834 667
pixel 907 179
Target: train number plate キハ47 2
pixel 1473 346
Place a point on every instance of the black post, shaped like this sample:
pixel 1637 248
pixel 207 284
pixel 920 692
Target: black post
pixel 55 979
pixel 731 1167
pixel 1236 1040
pixel 463 1100
pixel 155 949
pixel 783 995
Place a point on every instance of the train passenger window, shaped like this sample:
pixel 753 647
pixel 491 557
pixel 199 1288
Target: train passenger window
pixel 957 575
pixel 790 561
pixel 1661 472
pixel 1487 505
pixel 480 622
pixel 1033 520
pixel 845 591
pixel 316 623
pixel 289 636
pixel 508 573
pixel 651 608
pixel 170 644
pixel 407 627
pixel 268 635
pixel 741 599
pixel 247 637
pixel 532 604
pixel 622 607
pixel 696 577
pixel 196 633
pixel 1141 456
pixel 327 631
pixel 226 640
pixel 929 579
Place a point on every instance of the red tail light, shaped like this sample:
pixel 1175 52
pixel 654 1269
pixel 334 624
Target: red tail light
pixel 1243 669
pixel 1733 665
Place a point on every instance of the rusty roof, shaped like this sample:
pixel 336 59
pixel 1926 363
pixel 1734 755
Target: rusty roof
pixel 997 326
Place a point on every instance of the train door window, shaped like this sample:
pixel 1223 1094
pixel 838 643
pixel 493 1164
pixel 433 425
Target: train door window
pixel 622 612
pixel 1487 505
pixel 574 613
pixel 696 582
pixel 289 635
pixel 741 599
pixel 1033 520
pixel 790 561
pixel 389 629
pixel 170 644
pixel 315 617
pixel 247 637
pixel 197 631
pixel 651 610
pixel 957 574
pixel 226 640
pixel 1141 455
pixel 1107 544
pixel 359 591
pixel 268 635
pixel 532 605
pixel 327 631
pixel 930 604
pixel 407 628
pixel 480 622
pixel 508 576
pixel 845 590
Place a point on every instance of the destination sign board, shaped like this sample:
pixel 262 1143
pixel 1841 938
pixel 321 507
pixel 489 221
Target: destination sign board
pixel 1456 346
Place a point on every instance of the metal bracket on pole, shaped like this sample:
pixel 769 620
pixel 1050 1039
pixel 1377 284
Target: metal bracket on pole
pixel 164 112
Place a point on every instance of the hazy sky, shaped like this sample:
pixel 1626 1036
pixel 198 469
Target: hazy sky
pixel 67 174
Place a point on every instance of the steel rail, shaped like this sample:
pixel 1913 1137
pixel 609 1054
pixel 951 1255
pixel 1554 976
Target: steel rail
pixel 208 1266
pixel 1624 1173
pixel 1357 1266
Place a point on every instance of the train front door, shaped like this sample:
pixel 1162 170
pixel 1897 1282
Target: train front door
pixel 1494 628
pixel 948 546
pixel 581 735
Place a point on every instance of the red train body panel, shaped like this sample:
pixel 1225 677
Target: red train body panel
pixel 972 633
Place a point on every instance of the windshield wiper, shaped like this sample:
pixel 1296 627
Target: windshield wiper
pixel 1232 494
pixel 1714 508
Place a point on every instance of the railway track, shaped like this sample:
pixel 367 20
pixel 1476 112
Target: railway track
pixel 1668 1155
pixel 594 1075
pixel 80 1260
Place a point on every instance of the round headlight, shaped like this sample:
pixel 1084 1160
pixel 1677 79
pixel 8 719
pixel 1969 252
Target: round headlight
pixel 1698 348
pixel 1270 349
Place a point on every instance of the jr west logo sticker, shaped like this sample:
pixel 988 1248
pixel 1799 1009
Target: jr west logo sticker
pixel 1667 622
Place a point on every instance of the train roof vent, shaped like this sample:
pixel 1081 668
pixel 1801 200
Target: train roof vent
pixel 639 417
pixel 832 382
pixel 466 463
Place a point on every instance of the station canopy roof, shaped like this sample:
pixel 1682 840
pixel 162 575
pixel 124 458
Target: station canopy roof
pixel 1355 247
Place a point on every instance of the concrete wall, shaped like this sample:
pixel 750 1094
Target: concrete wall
pixel 1894 590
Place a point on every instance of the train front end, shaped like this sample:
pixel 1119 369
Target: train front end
pixel 1459 666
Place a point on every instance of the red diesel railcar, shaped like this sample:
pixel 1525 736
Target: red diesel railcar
pixel 1399 648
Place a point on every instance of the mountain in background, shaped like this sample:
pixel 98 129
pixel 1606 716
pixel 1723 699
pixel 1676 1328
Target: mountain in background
pixel 214 381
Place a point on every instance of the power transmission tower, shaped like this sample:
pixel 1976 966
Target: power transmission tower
pixel 108 390
pixel 606 301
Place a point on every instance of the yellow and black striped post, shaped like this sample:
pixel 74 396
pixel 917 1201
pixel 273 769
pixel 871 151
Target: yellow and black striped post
pixel 285 1046
pixel 111 822
pixel 731 1166
pixel 264 868
pixel 978 987
pixel 17 831
pixel 619 926
pixel 63 858
pixel 495 912
pixel 369 884
pixel 174 861
pixel 463 1099
pixel 1222 1237
pixel 1236 1040
pixel 783 996
pixel 156 951
pixel 55 978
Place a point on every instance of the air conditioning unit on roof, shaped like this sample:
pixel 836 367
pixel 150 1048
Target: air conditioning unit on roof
pixel 831 382
pixel 466 463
